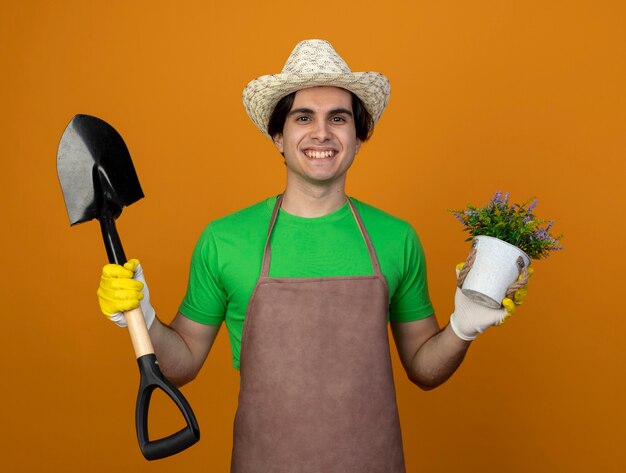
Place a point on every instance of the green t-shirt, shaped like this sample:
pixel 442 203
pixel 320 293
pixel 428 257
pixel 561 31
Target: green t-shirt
pixel 226 262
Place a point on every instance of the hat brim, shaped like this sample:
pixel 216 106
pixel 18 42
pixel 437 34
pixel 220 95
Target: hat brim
pixel 262 94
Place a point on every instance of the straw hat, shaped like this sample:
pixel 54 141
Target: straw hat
pixel 313 62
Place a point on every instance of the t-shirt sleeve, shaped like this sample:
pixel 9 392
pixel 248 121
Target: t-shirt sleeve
pixel 205 300
pixel 411 300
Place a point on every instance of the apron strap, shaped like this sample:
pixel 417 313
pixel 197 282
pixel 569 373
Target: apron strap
pixel 366 237
pixel 265 267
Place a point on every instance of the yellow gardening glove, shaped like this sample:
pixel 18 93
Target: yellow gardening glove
pixel 122 289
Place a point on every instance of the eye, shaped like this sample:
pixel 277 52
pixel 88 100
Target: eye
pixel 338 119
pixel 302 118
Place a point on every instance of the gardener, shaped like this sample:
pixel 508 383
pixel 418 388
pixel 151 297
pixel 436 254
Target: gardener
pixel 316 390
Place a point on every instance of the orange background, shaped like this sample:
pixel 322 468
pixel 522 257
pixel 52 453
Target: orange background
pixel 526 97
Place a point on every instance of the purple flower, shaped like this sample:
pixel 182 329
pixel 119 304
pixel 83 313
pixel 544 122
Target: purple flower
pixel 460 218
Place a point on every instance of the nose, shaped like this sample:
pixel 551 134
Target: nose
pixel 321 131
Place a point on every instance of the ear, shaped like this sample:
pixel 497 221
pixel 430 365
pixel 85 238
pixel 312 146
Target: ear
pixel 278 141
pixel 358 146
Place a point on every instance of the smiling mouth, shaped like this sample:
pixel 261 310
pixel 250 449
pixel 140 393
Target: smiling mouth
pixel 319 154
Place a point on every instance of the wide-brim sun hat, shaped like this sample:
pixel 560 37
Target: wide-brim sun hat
pixel 313 63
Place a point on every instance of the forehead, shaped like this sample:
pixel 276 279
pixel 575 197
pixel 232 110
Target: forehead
pixel 323 97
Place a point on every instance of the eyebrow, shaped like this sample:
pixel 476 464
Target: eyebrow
pixel 335 111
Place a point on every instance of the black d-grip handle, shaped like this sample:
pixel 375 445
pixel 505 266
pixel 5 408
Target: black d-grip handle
pixel 151 379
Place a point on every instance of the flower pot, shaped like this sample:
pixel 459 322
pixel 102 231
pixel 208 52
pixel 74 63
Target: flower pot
pixel 496 267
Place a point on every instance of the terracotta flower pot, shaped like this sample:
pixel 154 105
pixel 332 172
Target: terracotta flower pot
pixel 496 267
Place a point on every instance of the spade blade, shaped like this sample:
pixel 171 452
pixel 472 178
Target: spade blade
pixel 95 170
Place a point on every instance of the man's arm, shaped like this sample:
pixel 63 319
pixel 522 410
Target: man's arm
pixel 429 355
pixel 182 347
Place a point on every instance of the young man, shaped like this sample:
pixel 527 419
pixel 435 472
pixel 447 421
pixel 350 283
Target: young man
pixel 306 283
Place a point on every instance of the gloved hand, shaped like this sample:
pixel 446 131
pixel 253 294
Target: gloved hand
pixel 470 318
pixel 122 289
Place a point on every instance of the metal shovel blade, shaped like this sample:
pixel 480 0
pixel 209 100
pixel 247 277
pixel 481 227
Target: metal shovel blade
pixel 95 169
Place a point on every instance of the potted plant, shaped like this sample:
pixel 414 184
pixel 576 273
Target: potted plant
pixel 504 240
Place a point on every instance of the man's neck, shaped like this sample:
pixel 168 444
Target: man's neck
pixel 310 201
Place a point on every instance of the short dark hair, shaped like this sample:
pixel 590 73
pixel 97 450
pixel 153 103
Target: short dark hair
pixel 363 121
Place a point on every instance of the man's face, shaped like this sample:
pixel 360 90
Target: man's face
pixel 319 137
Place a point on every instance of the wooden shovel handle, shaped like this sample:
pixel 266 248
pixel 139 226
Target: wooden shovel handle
pixel 138 332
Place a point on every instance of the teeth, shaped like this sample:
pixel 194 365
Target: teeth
pixel 319 154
